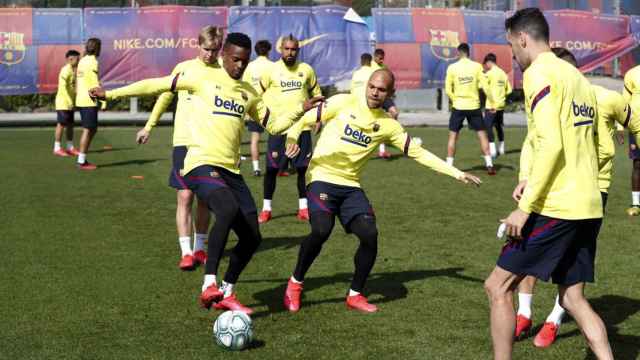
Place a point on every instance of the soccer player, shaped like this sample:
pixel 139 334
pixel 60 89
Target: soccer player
pixel 497 89
pixel 378 60
pixel 65 100
pixel 552 233
pixel 361 76
pixel 389 105
pixel 209 43
pixel 88 78
pixel 288 83
pixel 353 127
pixel 613 111
pixel 211 166
pixel 463 82
pixel 252 75
pixel 632 96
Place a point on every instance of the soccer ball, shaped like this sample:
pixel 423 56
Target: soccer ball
pixel 232 330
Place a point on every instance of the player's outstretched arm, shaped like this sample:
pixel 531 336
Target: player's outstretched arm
pixel 277 124
pixel 147 87
pixel 162 103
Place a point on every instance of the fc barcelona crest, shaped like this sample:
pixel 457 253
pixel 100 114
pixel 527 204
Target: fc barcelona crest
pixel 12 48
pixel 444 44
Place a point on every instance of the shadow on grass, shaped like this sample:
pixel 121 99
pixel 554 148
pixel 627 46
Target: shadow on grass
pixel 513 151
pixel 498 167
pixel 98 151
pixel 267 244
pixel 614 310
pixel 129 162
pixel 389 286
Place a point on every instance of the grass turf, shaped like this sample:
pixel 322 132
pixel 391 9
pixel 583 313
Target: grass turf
pixel 90 271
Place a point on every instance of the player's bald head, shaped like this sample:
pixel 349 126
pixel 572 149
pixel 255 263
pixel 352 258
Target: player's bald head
pixel 380 87
pixel 386 76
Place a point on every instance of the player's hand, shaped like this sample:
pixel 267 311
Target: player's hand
pixel 311 103
pixel 470 179
pixel 620 137
pixel 97 93
pixel 292 150
pixel 142 136
pixel 515 222
pixel 517 192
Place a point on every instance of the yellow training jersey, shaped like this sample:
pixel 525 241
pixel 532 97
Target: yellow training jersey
pixel 463 82
pixel 288 87
pixel 65 97
pixel 359 80
pixel 220 104
pixel 88 78
pixel 181 132
pixel 613 113
pixel 559 158
pixel 351 133
pixel 375 66
pixel 631 90
pixel 497 88
pixel 255 70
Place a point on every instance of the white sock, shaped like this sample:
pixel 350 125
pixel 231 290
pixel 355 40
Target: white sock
pixel 256 165
pixel 208 281
pixel 556 314
pixel 198 244
pixel 185 245
pixel 382 148
pixel 82 158
pixel 492 149
pixel 56 145
pixel 524 304
pixel 69 145
pixel 302 203
pixel 353 293
pixel 266 205
pixel 501 148
pixel 450 160
pixel 635 198
pixel 293 279
pixel 227 288
pixel 488 161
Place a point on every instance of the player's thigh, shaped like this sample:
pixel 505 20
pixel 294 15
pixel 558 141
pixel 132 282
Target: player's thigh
pixel 275 156
pixel 176 180
pixel 578 263
pixel 89 117
pixel 456 120
pixel 354 205
pixel 241 192
pixel 323 198
pixel 474 118
pixel 65 117
pixel 305 143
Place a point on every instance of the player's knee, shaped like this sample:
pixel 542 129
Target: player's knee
pixel 321 226
pixel 223 205
pixel 364 226
pixel 184 197
pixel 494 290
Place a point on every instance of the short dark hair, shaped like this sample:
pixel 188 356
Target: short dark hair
pixel 365 59
pixel 378 52
pixel 71 53
pixel 92 47
pixel 490 57
pixel 565 55
pixel 238 39
pixel 464 48
pixel 530 21
pixel 263 47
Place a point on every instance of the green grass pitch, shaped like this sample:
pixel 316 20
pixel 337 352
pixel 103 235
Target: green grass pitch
pixel 89 262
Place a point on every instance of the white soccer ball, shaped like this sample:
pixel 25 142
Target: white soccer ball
pixel 233 330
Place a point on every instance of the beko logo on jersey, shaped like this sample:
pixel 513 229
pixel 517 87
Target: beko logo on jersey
pixel 234 109
pixel 356 137
pixel 583 110
pixel 290 85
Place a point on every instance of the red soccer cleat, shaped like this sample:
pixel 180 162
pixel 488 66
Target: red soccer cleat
pixel 209 296
pixel 546 336
pixel 187 263
pixel 303 214
pixel 200 256
pixel 60 153
pixel 384 154
pixel 523 325
pixel 264 216
pixel 232 303
pixel 87 166
pixel 292 296
pixel 360 303
pixel 283 173
pixel 491 171
pixel 73 152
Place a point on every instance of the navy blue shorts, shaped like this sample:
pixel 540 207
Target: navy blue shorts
pixel 563 250
pixel 493 119
pixel 206 178
pixel 253 127
pixel 175 179
pixel 346 202
pixel 634 151
pixel 474 118
pixel 89 117
pixel 275 157
pixel 65 117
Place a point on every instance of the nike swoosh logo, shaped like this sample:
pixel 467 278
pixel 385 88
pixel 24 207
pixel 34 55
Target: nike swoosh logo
pixel 302 43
